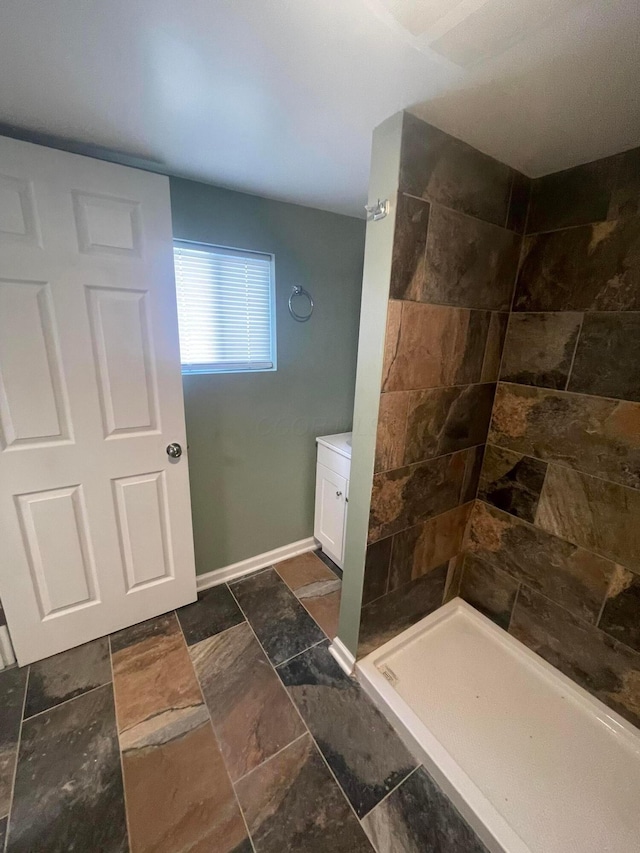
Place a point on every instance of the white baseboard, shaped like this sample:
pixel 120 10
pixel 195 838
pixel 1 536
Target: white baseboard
pixel 261 561
pixel 342 654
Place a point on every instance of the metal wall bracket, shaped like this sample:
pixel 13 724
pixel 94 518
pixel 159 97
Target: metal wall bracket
pixel 377 211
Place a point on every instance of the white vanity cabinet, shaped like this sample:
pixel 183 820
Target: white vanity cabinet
pixel 332 493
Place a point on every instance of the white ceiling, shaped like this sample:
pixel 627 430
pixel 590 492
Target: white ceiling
pixel 279 97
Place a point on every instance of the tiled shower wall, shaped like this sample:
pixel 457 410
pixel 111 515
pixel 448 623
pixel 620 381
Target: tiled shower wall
pixel 457 241
pixel 554 541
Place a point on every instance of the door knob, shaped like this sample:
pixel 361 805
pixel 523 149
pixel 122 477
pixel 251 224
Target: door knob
pixel 174 450
pixel 338 494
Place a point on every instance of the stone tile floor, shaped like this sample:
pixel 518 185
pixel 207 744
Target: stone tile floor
pixel 225 726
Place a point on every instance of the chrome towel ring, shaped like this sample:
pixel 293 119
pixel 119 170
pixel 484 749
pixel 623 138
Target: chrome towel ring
pixel 297 290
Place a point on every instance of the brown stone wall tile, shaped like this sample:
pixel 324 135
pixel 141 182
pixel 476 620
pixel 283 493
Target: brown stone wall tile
pixel 433 346
pixel 621 614
pixel 576 196
pixel 469 263
pixel 472 473
pixel 413 494
pixel 443 420
pixel 603 666
pixel 392 425
pixel 607 360
pixel 625 200
pixel 409 241
pixel 519 202
pixel 441 168
pixel 376 569
pixel 539 348
pixel 511 482
pixel 494 346
pixel 593 513
pixel 489 590
pixel 588 268
pixel 599 436
pixel 421 548
pixel 386 617
pixel 569 575
pixel 454 578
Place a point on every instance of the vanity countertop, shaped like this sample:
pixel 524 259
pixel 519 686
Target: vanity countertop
pixel 341 443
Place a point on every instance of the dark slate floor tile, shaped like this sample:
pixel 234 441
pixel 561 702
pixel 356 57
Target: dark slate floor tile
pixel 13 683
pixel 160 626
pixel 512 482
pixel 419 818
pixel 489 590
pixel 607 357
pixel 539 348
pixel 621 615
pixel 280 622
pixel 215 610
pixel 365 754
pixel 292 803
pixel 3 832
pixel 68 789
pixel 63 676
pixel 387 616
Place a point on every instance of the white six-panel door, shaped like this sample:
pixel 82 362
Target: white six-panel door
pixel 95 520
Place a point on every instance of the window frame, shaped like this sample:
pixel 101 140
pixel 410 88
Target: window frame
pixel 199 369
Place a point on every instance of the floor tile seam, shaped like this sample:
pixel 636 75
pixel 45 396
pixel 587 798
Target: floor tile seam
pixel 66 701
pixel 15 766
pixel 395 787
pixel 213 729
pixel 244 776
pixel 301 601
pixel 297 654
pixel 120 753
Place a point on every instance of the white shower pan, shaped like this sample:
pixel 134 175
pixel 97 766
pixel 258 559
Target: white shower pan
pixel 532 761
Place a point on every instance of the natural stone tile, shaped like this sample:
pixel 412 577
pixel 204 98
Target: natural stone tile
pixel 386 617
pixel 292 803
pixel 539 348
pixel 376 569
pixel 608 357
pixel 280 622
pixel 511 481
pixel 3 832
pixel 251 713
pixel 489 590
pixel 574 196
pixel 409 241
pixel 441 168
pixel 588 268
pixel 68 788
pixel 325 608
pixel 303 571
pixel 407 496
pixel 468 263
pixel 179 797
pixel 454 577
pixel 519 202
pixel 600 664
pixel 345 725
pixel 432 346
pixel 419 818
pixel 421 548
pixel 574 578
pixel 620 615
pixel 13 683
pixel 214 611
pixel 494 346
pixel 472 472
pixel 63 676
pixel 601 437
pixel 392 424
pixel 593 513
pixel 625 200
pixel 443 420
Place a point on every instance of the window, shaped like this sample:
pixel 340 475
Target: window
pixel 226 313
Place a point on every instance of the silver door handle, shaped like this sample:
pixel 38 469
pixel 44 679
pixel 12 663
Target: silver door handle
pixel 174 450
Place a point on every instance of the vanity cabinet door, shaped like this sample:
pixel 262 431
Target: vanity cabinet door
pixel 330 514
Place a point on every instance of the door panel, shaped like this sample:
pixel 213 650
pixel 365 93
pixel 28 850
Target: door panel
pixel 95 519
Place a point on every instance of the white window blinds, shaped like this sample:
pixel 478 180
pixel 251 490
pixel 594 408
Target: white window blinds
pixel 225 309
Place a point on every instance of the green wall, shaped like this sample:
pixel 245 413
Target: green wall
pixel 252 436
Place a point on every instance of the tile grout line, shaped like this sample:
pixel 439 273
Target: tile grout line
pixel 298 712
pixel 575 352
pixel 120 753
pixel 267 760
pixel 213 730
pixel 15 767
pixel 395 787
pixel 301 600
pixel 71 698
pixel 552 391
